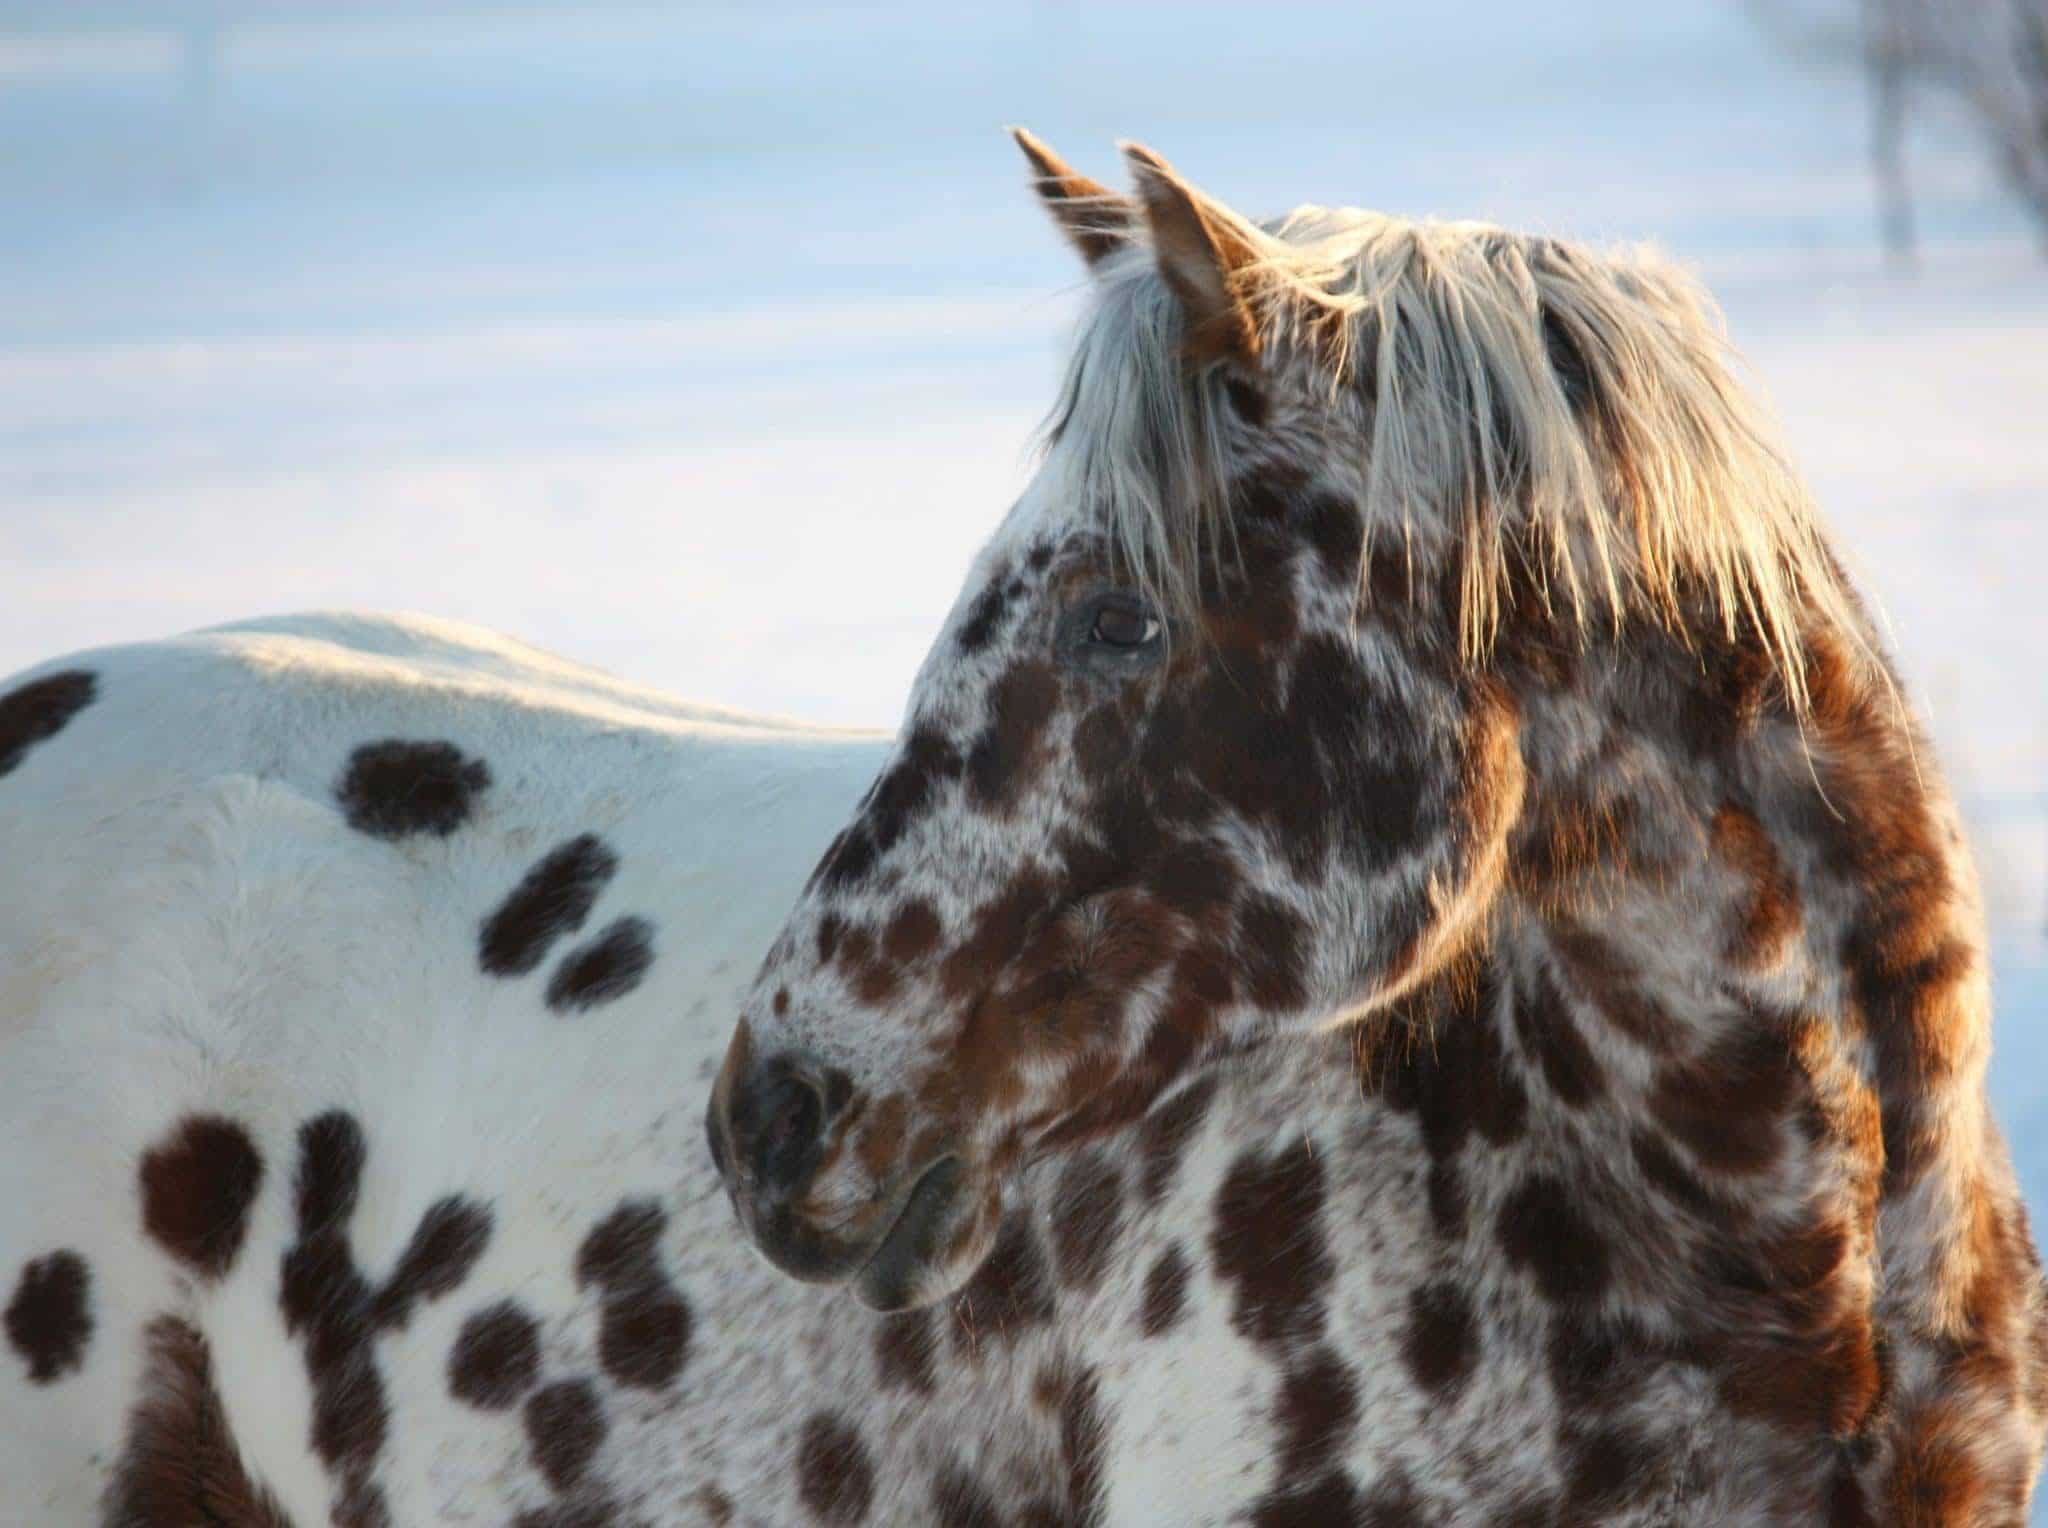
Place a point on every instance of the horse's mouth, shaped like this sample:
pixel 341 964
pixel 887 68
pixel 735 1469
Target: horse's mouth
pixel 888 1280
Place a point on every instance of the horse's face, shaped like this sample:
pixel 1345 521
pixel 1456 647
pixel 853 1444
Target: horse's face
pixel 1114 841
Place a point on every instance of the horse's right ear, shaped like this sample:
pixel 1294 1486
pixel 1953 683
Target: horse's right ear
pixel 1095 219
pixel 1201 256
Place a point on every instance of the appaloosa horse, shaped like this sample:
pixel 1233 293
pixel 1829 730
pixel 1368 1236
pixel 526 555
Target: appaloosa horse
pixel 1408 966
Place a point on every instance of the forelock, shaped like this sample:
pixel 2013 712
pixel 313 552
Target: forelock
pixel 1137 442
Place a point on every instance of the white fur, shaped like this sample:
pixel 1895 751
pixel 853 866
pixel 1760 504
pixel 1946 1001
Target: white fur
pixel 191 927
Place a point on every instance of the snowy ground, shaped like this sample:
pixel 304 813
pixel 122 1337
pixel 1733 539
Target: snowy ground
pixel 702 343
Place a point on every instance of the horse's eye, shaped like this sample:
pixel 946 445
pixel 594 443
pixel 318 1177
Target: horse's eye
pixel 1123 626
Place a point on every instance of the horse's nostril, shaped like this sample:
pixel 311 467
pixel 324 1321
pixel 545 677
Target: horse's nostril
pixel 787 1111
pixel 792 1125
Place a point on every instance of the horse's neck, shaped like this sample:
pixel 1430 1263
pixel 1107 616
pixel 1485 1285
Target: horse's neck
pixel 1743 953
pixel 1711 1070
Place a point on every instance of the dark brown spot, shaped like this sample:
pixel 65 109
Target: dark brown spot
pixel 1545 1235
pixel 644 1323
pixel 912 933
pixel 1332 1497
pixel 181 1464
pixel 624 1248
pixel 834 1478
pixel 960 1501
pixel 1164 1137
pixel 336 1313
pixel 1008 1294
pixel 1084 1442
pixel 1166 1292
pixel 1336 532
pixel 904 1346
pixel 1193 877
pixel 1727 1106
pixel 351 1414
pixel 983 617
pixel 554 898
pixel 1447 1200
pixel 1609 1467
pixel 1268 1241
pixel 1603 975
pixel 897 799
pixel 830 927
pixel 396 789
pixel 565 1427
pixel 1007 755
pixel 1847 1506
pixel 1551 1035
pixel 644 1337
pixel 197 1189
pixel 1247 398
pixel 37 711
pixel 1272 943
pixel 361 1503
pixel 496 1357
pixel 1441 1340
pixel 603 970
pixel 1599 1362
pixel 1439 1055
pixel 49 1320
pixel 846 862
pixel 1661 1168
pixel 331 1156
pixel 1087 1212
pixel 871 974
pixel 450 1237
pixel 1316 1410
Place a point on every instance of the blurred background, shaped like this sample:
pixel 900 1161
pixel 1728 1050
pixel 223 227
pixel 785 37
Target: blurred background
pixel 702 342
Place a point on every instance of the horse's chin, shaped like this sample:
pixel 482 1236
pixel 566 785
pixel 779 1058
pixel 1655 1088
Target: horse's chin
pixel 931 1248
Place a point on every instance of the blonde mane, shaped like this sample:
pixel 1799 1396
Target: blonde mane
pixel 1523 404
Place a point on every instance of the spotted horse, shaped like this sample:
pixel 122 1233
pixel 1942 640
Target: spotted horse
pixel 1408 965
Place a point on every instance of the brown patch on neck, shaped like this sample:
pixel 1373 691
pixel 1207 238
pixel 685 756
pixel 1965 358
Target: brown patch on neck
pixel 181 1464
pixel 1766 918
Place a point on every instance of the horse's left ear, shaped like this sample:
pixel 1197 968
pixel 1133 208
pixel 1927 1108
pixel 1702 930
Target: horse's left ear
pixel 1202 254
pixel 1095 219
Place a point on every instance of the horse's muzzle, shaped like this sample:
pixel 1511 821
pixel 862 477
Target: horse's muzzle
pixel 768 1127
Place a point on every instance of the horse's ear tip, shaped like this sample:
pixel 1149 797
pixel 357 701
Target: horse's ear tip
pixel 1094 218
pixel 1142 159
pixel 1044 162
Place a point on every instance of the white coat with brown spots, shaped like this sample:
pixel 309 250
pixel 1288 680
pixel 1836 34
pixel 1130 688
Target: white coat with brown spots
pixel 1406 967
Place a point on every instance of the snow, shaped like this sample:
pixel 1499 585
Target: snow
pixel 703 343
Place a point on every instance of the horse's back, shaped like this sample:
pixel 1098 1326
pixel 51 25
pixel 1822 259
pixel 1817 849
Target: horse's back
pixel 403 873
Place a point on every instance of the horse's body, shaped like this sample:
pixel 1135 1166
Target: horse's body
pixel 194 931
pixel 1358 1063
